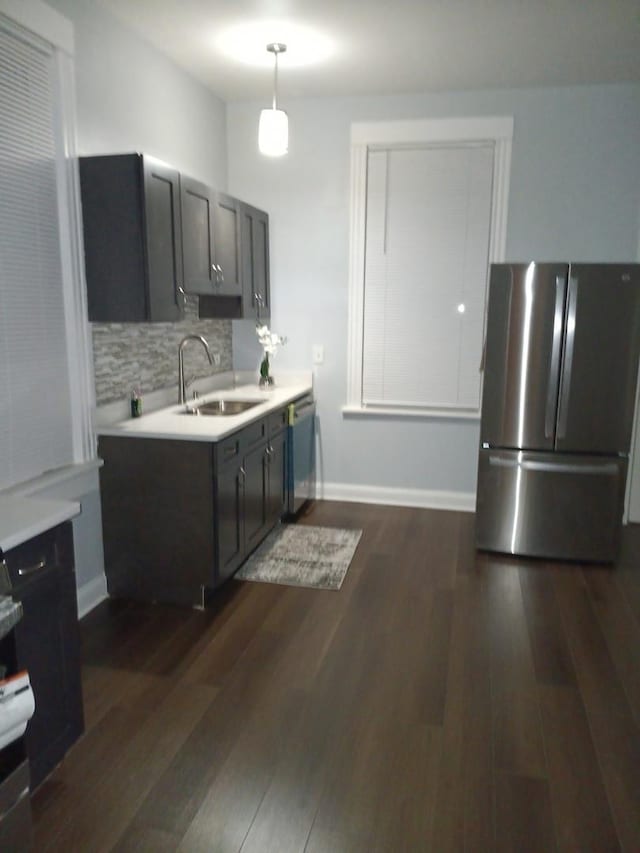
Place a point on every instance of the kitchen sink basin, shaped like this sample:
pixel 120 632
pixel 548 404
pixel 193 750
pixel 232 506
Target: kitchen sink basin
pixel 221 407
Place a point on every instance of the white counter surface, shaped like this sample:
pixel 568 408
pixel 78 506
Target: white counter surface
pixel 171 423
pixel 23 518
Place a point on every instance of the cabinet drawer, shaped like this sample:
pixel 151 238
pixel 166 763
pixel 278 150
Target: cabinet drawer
pixel 254 434
pixel 32 559
pixel 277 422
pixel 228 450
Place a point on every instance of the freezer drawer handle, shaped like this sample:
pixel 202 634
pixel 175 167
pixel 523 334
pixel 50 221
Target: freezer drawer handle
pixel 554 366
pixel 31 570
pixel 554 467
pixel 570 337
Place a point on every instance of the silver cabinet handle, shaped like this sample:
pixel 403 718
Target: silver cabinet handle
pixel 31 570
pixel 221 273
pixel 554 365
pixel 183 294
pixel 243 473
pixel 565 380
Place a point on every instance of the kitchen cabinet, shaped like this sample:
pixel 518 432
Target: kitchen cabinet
pixel 179 517
pixel 132 238
pixel 47 643
pixel 242 253
pixel 197 213
pixel 227 237
pixel 255 262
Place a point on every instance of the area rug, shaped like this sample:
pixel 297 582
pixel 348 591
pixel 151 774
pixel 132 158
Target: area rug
pixel 302 555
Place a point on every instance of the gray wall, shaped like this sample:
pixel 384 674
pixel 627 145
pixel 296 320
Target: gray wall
pixel 574 195
pixel 132 98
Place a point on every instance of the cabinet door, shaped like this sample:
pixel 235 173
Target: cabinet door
pixel 48 645
pixel 227 245
pixel 197 201
pixel 256 490
pixel 163 241
pixel 277 478
pixel 255 262
pixel 229 526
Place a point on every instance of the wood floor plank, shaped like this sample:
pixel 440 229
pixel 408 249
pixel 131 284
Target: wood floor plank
pixel 517 733
pixel 524 823
pixel 582 817
pixel 463 815
pixel 549 645
pixel 620 628
pixel 101 812
pixel 617 743
pixel 599 683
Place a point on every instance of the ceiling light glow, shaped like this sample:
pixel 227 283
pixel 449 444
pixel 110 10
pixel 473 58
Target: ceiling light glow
pixel 245 43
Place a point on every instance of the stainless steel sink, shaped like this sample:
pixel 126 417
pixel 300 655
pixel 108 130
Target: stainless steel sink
pixel 221 407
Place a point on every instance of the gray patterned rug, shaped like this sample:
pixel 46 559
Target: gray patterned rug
pixel 302 555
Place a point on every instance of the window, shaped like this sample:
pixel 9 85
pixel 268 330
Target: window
pixel 45 380
pixel 428 216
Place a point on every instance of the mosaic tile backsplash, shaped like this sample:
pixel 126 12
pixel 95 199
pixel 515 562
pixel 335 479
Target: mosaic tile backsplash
pixel 145 355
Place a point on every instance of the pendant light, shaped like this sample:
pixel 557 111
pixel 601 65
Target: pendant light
pixel 273 131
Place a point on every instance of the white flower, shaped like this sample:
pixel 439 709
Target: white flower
pixel 269 341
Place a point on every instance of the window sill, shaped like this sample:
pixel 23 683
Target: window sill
pixel 355 411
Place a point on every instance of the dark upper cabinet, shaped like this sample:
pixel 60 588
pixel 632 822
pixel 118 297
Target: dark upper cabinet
pixel 227 245
pixel 255 262
pixel 241 256
pixel 201 275
pixel 47 643
pixel 132 238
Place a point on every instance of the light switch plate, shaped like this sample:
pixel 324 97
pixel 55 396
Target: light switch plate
pixel 318 354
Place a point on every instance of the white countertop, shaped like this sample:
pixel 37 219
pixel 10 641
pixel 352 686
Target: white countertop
pixel 171 423
pixel 23 518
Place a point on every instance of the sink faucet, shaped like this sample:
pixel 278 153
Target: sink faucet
pixel 182 385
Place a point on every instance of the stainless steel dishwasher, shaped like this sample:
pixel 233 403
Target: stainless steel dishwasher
pixel 301 453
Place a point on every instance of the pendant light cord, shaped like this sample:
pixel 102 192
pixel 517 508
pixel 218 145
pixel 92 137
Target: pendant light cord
pixel 275 81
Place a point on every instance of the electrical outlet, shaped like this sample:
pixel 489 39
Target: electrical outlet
pixel 216 359
pixel 318 354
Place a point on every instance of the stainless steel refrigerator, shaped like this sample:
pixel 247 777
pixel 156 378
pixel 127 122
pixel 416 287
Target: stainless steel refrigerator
pixel 560 371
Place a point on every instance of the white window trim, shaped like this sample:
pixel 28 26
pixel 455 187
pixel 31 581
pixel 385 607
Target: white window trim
pixel 45 23
pixel 367 136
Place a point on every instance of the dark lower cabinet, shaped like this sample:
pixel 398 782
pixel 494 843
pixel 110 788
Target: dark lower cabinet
pixel 179 517
pixel 47 643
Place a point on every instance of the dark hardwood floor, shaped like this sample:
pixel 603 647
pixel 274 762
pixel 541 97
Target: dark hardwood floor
pixel 441 700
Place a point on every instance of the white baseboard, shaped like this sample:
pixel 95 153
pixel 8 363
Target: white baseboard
pixel 424 498
pixel 90 594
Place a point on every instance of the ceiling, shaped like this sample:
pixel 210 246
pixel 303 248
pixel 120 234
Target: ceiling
pixel 392 46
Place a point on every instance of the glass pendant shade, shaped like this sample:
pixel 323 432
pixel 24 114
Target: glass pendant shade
pixel 273 133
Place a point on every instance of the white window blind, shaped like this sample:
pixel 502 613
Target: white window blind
pixel 35 414
pixel 428 221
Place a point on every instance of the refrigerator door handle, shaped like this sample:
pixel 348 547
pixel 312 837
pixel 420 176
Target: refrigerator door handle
pixel 555 467
pixel 554 365
pixel 570 337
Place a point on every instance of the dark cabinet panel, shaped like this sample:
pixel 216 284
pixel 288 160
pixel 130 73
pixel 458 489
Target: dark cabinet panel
pixel 229 521
pixel 47 643
pixel 157 518
pixel 255 262
pixel 132 238
pixel 276 501
pixel 197 203
pixel 242 256
pixel 256 489
pixel 227 245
